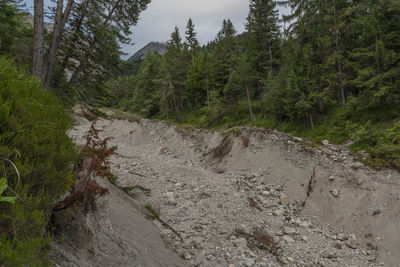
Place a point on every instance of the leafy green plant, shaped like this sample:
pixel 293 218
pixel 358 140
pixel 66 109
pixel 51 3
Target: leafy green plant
pixel 3 187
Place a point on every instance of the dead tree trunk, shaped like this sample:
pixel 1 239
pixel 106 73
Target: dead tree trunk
pixel 177 112
pixel 38 42
pixel 83 177
pixel 311 119
pixel 59 24
pixel 252 117
pixel 339 61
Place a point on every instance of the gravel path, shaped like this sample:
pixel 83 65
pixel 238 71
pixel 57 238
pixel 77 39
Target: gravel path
pixel 252 201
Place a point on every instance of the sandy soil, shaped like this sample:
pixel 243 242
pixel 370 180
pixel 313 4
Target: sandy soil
pixel 247 206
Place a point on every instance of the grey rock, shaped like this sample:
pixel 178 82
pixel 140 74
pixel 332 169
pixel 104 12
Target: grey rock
pixel 241 243
pixel 305 225
pixel 248 263
pixel 168 195
pixel 338 245
pixel 289 230
pixel 172 202
pixel 335 193
pixel 288 239
pixel 356 165
pixel 278 212
pixel 284 199
pixel 352 243
pixel 341 237
pixel 328 254
pixel 198 243
pixel 210 257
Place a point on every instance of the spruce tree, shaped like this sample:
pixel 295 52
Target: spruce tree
pixel 175 69
pixel 191 40
pixel 263 37
pixel 224 56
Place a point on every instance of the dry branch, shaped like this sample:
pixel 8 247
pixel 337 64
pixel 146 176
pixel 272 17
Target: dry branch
pixel 83 177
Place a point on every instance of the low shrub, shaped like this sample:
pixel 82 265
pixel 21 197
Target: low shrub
pixel 33 126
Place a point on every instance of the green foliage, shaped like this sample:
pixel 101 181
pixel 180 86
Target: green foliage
pixel 10 25
pixel 153 211
pixel 15 35
pixel 3 187
pixel 332 73
pixel 32 135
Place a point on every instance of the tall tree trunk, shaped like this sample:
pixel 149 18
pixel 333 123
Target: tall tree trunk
pixel 339 61
pixel 270 59
pixel 208 93
pixel 252 117
pixel 59 25
pixel 38 43
pixel 311 119
pixel 178 115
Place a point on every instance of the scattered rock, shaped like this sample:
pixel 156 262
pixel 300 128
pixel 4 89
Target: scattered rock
pixel 305 225
pixel 376 212
pixel 248 262
pixel 356 165
pixel 278 212
pixel 288 239
pixel 171 202
pixel 210 257
pixel 331 178
pixel 241 243
pixel 168 195
pixel 289 230
pixel 352 243
pixel 335 193
pixel 341 237
pixel 198 243
pixel 329 254
pixel 338 245
pixel 284 199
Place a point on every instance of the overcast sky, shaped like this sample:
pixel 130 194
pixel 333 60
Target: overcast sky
pixel 161 16
pixel 158 21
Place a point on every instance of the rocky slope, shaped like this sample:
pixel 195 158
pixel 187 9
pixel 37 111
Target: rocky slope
pixel 160 48
pixel 259 198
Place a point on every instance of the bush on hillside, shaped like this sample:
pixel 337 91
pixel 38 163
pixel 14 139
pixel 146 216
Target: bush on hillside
pixel 33 125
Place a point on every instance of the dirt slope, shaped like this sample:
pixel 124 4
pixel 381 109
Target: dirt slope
pixel 248 206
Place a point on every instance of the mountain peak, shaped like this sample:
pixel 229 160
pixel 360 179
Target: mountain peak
pixel 160 48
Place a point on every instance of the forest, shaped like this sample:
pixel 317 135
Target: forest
pixel 329 70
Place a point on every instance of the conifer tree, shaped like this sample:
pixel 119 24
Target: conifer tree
pixel 175 67
pixel 263 37
pixel 191 40
pixel 224 56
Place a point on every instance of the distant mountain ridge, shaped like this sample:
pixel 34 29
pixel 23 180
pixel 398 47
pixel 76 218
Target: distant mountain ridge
pixel 160 48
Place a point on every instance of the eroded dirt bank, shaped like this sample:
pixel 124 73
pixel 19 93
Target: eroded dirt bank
pixel 244 204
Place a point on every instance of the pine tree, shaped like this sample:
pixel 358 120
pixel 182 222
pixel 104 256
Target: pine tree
pixel 191 40
pixel 196 83
pixel 263 37
pixel 147 94
pixel 175 69
pixel 376 57
pixel 224 56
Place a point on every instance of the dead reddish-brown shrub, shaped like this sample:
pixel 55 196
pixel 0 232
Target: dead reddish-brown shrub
pixel 245 141
pixel 99 150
